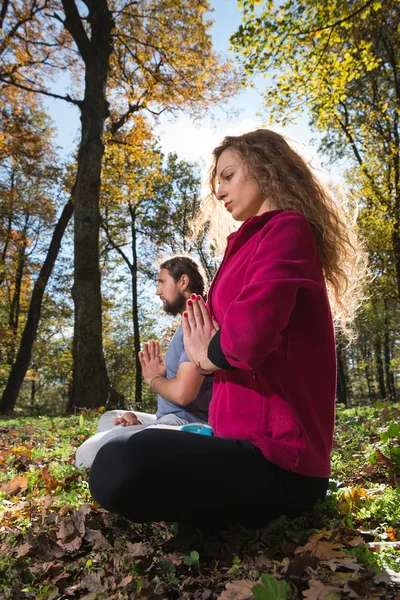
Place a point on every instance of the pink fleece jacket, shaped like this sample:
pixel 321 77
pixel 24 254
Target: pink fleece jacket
pixel 270 299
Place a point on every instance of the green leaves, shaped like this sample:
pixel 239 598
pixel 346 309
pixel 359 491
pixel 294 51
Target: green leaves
pixel 272 589
pixel 392 432
pixel 192 559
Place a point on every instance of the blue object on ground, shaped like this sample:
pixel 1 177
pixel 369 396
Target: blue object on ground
pixel 197 428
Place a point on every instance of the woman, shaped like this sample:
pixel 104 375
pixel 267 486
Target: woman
pixel 267 334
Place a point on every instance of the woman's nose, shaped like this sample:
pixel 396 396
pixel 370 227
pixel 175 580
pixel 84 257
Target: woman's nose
pixel 221 193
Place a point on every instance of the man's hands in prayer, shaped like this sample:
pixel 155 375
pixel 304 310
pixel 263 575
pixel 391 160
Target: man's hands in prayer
pixel 152 361
pixel 128 418
pixel 198 330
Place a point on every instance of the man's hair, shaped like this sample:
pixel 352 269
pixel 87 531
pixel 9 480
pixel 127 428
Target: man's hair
pixel 184 265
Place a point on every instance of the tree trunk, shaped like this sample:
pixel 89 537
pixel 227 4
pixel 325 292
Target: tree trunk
pixel 370 382
pixel 135 311
pixel 19 368
pixel 13 317
pixel 396 248
pixel 33 396
pixel 342 391
pixel 387 355
pixel 379 368
pixel 5 249
pixel 91 385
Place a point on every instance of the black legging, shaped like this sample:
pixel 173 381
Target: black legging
pixel 165 475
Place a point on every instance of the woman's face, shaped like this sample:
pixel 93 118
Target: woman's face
pixel 237 190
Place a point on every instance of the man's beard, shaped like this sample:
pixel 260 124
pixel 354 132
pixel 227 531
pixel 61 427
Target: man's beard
pixel 176 306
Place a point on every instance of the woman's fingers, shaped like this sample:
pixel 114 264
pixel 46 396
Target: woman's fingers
pixel 204 312
pixel 195 317
pixel 216 325
pixel 198 316
pixel 190 314
pixel 185 323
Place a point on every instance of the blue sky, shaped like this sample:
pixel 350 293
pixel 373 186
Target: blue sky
pixel 191 141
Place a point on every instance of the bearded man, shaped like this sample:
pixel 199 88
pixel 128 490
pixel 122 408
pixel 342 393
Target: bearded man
pixel 183 394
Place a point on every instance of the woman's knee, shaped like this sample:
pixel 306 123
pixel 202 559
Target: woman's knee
pixel 119 469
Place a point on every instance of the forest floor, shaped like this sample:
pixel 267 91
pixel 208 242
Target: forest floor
pixel 55 542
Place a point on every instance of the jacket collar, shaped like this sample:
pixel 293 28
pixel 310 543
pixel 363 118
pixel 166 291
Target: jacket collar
pixel 252 225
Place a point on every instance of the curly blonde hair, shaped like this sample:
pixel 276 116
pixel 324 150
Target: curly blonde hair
pixel 284 177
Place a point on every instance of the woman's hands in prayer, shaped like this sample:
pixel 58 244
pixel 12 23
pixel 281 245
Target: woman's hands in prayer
pixel 198 330
pixel 152 361
pixel 128 418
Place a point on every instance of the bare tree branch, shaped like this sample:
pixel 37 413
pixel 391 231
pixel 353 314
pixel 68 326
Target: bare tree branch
pixel 73 23
pixel 67 98
pixel 3 13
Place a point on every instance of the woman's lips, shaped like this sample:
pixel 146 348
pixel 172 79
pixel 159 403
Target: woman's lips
pixel 227 205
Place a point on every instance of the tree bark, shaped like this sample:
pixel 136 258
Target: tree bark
pixel 33 396
pixel 388 355
pixel 135 311
pixel 342 391
pixel 379 368
pixel 15 305
pixel 370 384
pixel 5 249
pixel 21 364
pixel 91 385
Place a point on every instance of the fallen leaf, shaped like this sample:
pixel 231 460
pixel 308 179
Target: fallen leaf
pixel 175 559
pixel 46 503
pixel 318 591
pixel 261 563
pixel 126 581
pixel 70 590
pixel 322 550
pixel 98 539
pixel 348 563
pixel 392 534
pixel 340 577
pixel 53 570
pixel 93 582
pixel 4 454
pixel 64 510
pixel 354 589
pixel 384 460
pixel 23 550
pixel 72 529
pixel 368 469
pixel 48 479
pixel 288 547
pixel 298 565
pixel 355 541
pixel 21 451
pixel 238 590
pixel 138 550
pixel 15 486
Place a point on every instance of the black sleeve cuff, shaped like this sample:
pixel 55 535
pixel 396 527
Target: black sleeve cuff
pixel 216 355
